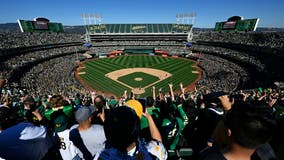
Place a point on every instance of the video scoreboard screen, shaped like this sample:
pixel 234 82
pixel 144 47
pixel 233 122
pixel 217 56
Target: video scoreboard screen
pixel 229 25
pixel 237 26
pixel 39 26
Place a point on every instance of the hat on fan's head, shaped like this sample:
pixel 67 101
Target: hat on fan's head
pixel 84 113
pixel 112 103
pixel 136 106
pixel 60 123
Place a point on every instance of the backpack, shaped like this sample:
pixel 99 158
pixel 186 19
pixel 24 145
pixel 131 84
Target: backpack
pixel 114 154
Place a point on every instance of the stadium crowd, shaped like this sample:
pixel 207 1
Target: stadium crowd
pixel 8 66
pixel 237 55
pixel 49 116
pixel 15 40
pixel 162 125
pixel 20 60
pixel 264 39
pixel 138 43
pixel 220 74
pixel 12 44
pixel 44 79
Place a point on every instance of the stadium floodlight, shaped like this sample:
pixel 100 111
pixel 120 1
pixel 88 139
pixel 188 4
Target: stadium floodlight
pixel 89 21
pixel 85 18
pixel 184 18
pixel 98 18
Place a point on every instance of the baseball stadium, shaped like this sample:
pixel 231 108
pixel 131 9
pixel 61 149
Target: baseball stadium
pixel 136 68
pixel 141 90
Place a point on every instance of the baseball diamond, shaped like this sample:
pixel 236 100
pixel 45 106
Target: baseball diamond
pixel 150 76
pixel 137 73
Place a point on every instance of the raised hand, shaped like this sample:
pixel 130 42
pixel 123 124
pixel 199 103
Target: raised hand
pixel 226 103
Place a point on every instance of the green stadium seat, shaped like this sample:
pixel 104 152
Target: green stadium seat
pixel 127 28
pixel 140 28
pixel 183 152
pixel 155 28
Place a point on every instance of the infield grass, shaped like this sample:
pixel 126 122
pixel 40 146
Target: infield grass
pixel 130 79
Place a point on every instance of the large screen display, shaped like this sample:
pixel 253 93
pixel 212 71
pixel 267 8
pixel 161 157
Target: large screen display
pixel 229 25
pixel 237 26
pixel 40 25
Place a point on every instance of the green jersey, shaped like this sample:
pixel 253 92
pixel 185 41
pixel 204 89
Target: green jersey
pixel 154 112
pixel 68 111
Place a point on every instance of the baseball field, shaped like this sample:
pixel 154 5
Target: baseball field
pixel 137 73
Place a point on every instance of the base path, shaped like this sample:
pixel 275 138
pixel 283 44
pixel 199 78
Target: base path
pixel 154 72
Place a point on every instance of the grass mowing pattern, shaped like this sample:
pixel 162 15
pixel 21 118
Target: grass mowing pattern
pixel 181 70
pixel 130 79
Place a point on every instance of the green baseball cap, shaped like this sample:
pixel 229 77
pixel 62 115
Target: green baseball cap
pixel 60 123
pixel 112 102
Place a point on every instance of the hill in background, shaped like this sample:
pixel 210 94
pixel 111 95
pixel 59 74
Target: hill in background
pixel 9 27
pixel 14 27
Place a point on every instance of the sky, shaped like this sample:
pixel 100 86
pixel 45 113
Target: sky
pixel 68 12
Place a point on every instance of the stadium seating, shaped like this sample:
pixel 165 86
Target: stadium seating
pixel 241 51
pixel 139 28
pixel 44 64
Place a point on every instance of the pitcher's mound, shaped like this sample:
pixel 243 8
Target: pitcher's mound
pixel 138 79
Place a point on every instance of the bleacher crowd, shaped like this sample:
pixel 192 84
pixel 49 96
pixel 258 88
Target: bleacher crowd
pixel 267 39
pixel 87 125
pixel 12 58
pixel 49 116
pixel 220 74
pixel 15 40
pixel 43 79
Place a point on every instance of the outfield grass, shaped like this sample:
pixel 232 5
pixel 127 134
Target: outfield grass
pixel 181 70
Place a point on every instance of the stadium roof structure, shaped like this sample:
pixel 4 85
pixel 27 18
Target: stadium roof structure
pixel 138 29
pixel 97 31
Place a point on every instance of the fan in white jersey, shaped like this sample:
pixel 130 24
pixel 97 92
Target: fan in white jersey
pixel 67 149
pixel 92 135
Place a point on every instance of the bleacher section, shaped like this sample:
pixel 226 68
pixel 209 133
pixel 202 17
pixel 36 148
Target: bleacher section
pixel 139 32
pixel 139 28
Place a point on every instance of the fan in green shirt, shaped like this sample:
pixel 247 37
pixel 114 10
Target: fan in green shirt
pixel 59 107
pixel 173 126
pixel 152 110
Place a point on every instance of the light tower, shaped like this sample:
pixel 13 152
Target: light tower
pixel 89 21
pixel 185 18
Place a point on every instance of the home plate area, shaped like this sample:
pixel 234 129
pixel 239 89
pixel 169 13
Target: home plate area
pixel 138 79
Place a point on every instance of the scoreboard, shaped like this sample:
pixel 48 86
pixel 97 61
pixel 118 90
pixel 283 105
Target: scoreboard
pixel 237 26
pixel 39 26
